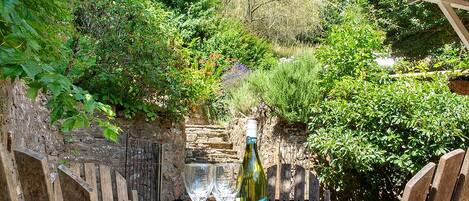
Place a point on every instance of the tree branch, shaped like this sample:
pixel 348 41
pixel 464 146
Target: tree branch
pixel 260 5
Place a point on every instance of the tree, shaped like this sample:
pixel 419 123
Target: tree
pixel 33 38
pixel 279 20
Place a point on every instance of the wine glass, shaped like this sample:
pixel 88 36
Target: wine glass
pixel 227 176
pixel 198 179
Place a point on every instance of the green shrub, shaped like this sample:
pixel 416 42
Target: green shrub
pixel 350 46
pixel 139 63
pixel 290 89
pixel 243 99
pixel 235 44
pixel 33 37
pixel 452 56
pixel 370 137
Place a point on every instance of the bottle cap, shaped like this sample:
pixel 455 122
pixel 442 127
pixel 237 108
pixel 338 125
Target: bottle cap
pixel 251 128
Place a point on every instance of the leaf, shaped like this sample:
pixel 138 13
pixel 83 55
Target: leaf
pixel 32 92
pixel 31 69
pixel 8 5
pixel 111 133
pixel 68 124
pixel 11 72
pixel 107 110
pixel 57 113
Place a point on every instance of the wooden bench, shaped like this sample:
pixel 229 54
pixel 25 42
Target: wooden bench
pixel 38 184
pixel 286 179
pixel 88 172
pixel 445 182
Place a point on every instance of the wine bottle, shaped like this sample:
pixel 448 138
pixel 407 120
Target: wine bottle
pixel 253 183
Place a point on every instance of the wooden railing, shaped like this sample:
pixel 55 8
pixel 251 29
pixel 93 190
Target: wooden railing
pixel 285 180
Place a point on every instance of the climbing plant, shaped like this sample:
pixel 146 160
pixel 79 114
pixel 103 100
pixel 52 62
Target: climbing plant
pixel 33 36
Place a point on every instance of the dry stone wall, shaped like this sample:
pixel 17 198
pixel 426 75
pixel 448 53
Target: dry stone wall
pixel 277 141
pixel 25 123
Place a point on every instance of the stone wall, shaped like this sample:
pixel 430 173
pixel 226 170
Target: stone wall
pixel 89 146
pixel 25 123
pixel 277 141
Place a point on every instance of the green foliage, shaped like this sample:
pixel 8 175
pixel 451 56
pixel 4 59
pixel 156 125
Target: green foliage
pixel 281 21
pixel 350 46
pixel 415 30
pixel 243 98
pixel 452 56
pixel 365 130
pixel 32 38
pixel 235 44
pixel 290 89
pixel 139 65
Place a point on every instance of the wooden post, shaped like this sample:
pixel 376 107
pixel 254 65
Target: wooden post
pixel 455 22
pixel 446 176
pixel 313 187
pixel 417 187
pixel 121 184
pixel 461 192
pixel 272 181
pixel 7 183
pixel 90 177
pixel 33 173
pixel 134 195
pixel 285 181
pixel 300 180
pixel 106 183
pixel 73 187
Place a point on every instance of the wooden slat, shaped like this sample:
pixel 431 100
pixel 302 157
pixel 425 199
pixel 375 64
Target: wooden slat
pixel 57 190
pixel 33 173
pixel 73 187
pixel 106 183
pixel 90 178
pixel 461 192
pixel 134 195
pixel 299 193
pixel 75 168
pixel 417 187
pixel 121 184
pixel 459 4
pixel 446 176
pixel 271 180
pixel 7 183
pixel 327 195
pixel 285 181
pixel 455 22
pixel 313 187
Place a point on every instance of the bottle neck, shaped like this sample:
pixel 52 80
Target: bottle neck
pixel 251 140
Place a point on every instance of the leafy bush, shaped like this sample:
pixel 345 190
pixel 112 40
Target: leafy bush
pixel 235 44
pixel 370 137
pixel 290 89
pixel 139 66
pixel 415 30
pixel 452 56
pixel 33 37
pixel 350 46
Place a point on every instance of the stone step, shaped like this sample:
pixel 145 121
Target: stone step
pixel 214 158
pixel 204 152
pixel 210 145
pixel 208 137
pixel 189 126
